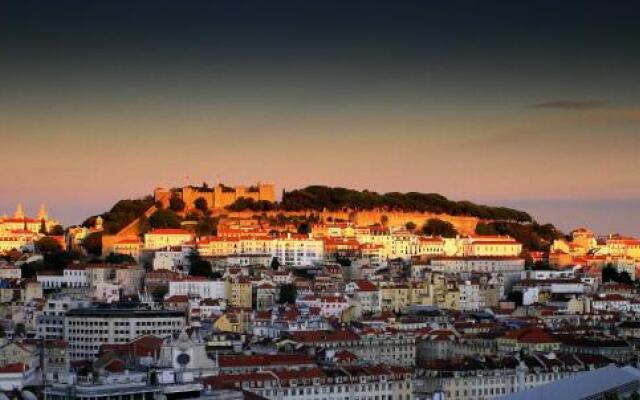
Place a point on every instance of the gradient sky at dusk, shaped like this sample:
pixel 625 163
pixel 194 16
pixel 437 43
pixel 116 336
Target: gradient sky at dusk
pixel 529 104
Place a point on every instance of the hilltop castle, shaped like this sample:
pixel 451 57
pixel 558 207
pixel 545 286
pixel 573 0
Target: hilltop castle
pixel 217 197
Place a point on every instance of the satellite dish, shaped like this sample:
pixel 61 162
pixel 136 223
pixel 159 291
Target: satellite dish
pixel 27 395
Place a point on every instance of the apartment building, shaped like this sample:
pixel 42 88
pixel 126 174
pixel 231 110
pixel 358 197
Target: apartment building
pixel 196 286
pixel 343 383
pixel 86 329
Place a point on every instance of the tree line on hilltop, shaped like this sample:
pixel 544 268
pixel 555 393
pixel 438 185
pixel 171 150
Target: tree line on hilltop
pixel 502 220
pixel 319 198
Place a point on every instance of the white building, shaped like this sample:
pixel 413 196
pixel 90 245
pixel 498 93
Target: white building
pixel 50 323
pixel 88 328
pixel 72 277
pixel 364 296
pixel 10 272
pixel 193 286
pixel 162 238
pixel 490 246
pixel 298 250
pixel 330 306
pixel 510 268
pixel 341 383
pixel 173 259
pixel 291 249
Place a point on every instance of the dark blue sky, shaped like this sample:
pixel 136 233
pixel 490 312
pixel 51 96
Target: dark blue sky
pixel 492 101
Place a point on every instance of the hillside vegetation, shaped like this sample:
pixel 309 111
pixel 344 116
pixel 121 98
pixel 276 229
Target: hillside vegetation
pixel 502 220
pixel 337 198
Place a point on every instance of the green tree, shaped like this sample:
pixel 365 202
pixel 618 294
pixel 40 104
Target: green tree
pixel 199 266
pixel 304 228
pixel 159 292
pixel 318 197
pixel 20 329
pixel 93 243
pixel 56 230
pixel 207 226
pixel 288 294
pixel 438 227
pixel 609 274
pixel 144 225
pixel 201 204
pixel 624 277
pixel 610 396
pixel 48 245
pixel 114 258
pixel 516 297
pixel 164 219
pixel 247 203
pixel 60 259
pixel 410 226
pixel 121 214
pixel 176 204
pixel 485 229
pixel 384 220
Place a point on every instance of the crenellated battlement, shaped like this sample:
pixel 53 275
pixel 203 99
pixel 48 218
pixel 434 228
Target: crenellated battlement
pixel 219 196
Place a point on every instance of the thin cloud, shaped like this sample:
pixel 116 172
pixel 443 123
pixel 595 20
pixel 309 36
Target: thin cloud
pixel 571 105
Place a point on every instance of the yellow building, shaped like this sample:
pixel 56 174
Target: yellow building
pixel 584 238
pixel 573 248
pixel 15 352
pixel 421 293
pixel 394 297
pixel 624 246
pixel 452 300
pixel 230 322
pixel 20 222
pixel 162 238
pixel 240 293
pixel 483 246
pixel 130 247
pixel 531 339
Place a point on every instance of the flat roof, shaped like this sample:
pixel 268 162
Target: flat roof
pixel 581 386
pixel 122 312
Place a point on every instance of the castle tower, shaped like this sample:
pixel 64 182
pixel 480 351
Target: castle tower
pixel 19 212
pixel 42 214
pixel 99 224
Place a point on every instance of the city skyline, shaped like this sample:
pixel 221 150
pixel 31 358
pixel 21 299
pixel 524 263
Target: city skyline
pixel 566 214
pixel 493 102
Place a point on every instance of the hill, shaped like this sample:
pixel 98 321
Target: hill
pixel 336 203
pixel 319 198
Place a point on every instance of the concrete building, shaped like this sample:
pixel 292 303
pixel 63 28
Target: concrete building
pixel 193 286
pixel 86 329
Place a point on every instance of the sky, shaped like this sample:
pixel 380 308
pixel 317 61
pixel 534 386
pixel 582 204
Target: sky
pixel 527 104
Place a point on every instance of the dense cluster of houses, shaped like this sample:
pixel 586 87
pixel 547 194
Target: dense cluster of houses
pixel 340 312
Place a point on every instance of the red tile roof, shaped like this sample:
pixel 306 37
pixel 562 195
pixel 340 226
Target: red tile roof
pixel 234 361
pixel 169 232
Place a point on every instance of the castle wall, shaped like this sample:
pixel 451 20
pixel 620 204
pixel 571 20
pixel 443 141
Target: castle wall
pixel 464 225
pixel 218 198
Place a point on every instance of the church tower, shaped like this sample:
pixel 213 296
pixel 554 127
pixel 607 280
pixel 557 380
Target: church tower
pixel 42 214
pixel 19 212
